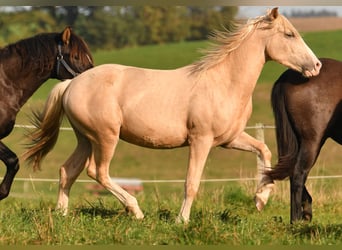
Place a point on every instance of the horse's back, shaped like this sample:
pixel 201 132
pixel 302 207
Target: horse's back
pixel 326 84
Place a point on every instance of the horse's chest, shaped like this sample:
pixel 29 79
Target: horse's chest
pixel 233 112
pixel 227 125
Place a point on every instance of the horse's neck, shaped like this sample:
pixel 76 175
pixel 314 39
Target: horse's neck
pixel 29 87
pixel 243 66
pixel 23 75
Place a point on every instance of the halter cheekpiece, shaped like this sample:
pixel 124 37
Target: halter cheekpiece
pixel 60 60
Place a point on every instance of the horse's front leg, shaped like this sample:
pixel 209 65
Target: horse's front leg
pixel 248 143
pixel 198 153
pixel 12 166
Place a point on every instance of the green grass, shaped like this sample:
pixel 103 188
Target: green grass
pixel 223 213
pixel 220 215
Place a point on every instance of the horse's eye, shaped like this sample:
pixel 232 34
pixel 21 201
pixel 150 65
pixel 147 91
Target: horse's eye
pixel 289 34
pixel 76 57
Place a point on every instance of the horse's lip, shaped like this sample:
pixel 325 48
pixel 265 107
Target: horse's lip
pixel 307 73
pixel 313 71
pixel 310 73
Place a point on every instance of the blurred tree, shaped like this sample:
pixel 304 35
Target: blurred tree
pixel 65 15
pixel 161 24
pixel 117 26
pixel 15 26
pixel 204 20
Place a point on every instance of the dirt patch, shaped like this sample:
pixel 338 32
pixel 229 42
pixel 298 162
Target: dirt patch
pixel 317 23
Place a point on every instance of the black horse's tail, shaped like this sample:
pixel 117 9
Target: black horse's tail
pixel 287 140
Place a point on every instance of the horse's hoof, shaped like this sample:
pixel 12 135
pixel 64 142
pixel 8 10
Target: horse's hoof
pixel 259 204
pixel 262 195
pixel 307 217
pixel 139 215
pixel 136 211
pixel 181 220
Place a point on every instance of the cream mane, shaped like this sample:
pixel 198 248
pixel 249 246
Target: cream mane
pixel 226 41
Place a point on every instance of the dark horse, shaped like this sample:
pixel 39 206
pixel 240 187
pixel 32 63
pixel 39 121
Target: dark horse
pixel 26 65
pixel 307 111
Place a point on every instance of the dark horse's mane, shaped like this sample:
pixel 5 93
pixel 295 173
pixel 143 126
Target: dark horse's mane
pixel 36 51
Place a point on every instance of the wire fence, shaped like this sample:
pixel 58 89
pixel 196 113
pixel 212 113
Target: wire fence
pixel 170 180
pixel 259 134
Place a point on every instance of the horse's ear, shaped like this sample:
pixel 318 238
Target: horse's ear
pixel 273 13
pixel 66 34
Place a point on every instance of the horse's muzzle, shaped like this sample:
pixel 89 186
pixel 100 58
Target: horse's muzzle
pixel 313 72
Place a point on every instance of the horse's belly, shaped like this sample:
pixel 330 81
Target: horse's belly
pixel 154 137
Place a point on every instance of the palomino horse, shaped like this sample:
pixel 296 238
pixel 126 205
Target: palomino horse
pixel 25 66
pixel 203 105
pixel 307 112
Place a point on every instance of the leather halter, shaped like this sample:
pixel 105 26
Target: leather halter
pixel 60 60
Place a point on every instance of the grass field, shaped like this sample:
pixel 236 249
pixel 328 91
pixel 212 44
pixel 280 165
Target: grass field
pixel 220 215
pixel 224 213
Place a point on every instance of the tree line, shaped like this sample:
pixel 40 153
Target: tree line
pixel 117 26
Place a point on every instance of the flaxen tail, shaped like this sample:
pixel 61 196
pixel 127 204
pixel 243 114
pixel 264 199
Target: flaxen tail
pixel 47 124
pixel 287 141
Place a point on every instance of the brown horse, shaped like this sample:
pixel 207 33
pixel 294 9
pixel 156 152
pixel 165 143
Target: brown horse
pixel 307 111
pixel 25 66
pixel 203 105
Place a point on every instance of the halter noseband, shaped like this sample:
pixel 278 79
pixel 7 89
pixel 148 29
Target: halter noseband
pixel 60 60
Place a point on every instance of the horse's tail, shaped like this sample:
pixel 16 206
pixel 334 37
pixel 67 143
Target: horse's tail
pixel 47 124
pixel 287 140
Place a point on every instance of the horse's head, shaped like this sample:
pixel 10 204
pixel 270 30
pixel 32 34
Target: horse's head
pixel 285 45
pixel 73 55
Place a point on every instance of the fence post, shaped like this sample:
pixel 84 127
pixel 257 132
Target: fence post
pixel 26 186
pixel 259 135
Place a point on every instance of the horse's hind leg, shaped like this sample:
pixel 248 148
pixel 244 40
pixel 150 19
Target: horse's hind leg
pixel 300 198
pixel 12 166
pixel 98 169
pixel 70 170
pixel 248 143
pixel 306 205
